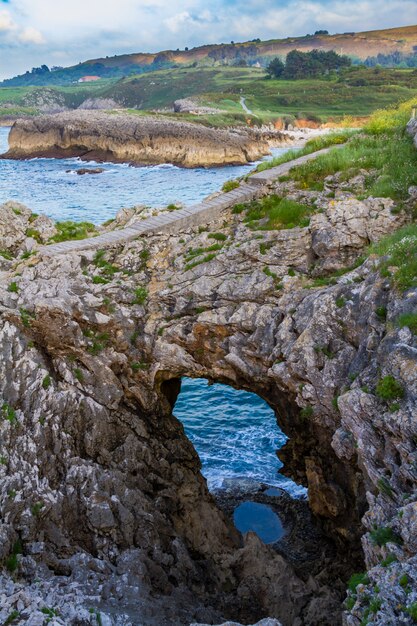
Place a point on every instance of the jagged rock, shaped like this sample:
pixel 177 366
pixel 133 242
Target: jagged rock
pixel 14 221
pixel 97 476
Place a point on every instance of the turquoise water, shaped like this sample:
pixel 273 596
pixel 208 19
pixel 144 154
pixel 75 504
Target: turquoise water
pixel 46 186
pixel 234 432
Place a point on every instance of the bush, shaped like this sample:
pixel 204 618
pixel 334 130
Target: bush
pixel 400 250
pixel 361 578
pixel 217 236
pixel 412 611
pixel 229 185
pixel 140 295
pixel 388 388
pixel 410 320
pixel 70 230
pixel 279 212
pixel 383 535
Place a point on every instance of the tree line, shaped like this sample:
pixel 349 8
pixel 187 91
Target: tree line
pixel 306 64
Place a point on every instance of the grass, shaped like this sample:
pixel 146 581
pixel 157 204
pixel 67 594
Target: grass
pixel 8 413
pixel 97 341
pixel 140 295
pixel 361 578
pixel 383 535
pixel 217 236
pixel 400 256
pixel 229 185
pixel 11 561
pixel 277 213
pixel 388 388
pixel 13 288
pixel 70 230
pixel 313 145
pixel 412 611
pixel 205 259
pixel 393 157
pixel 409 320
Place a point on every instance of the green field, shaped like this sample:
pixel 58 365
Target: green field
pixel 355 92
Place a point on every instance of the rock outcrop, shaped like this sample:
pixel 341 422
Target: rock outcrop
pixel 133 139
pixel 101 496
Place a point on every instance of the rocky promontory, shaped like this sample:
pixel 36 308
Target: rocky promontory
pixel 132 138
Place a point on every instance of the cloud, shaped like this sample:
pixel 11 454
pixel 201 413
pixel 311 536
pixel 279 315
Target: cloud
pixel 31 35
pixel 33 32
pixel 6 22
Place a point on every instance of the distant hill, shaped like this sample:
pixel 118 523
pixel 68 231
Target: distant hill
pixel 359 46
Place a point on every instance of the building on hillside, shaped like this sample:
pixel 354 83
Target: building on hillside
pixel 88 79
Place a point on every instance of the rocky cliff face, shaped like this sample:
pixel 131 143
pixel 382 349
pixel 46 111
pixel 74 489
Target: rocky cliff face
pixel 101 497
pixel 133 139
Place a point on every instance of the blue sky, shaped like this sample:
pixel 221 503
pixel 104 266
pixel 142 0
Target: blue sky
pixel 64 32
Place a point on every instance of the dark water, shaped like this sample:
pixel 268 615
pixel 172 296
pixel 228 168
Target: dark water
pixel 45 186
pixel 259 518
pixel 234 432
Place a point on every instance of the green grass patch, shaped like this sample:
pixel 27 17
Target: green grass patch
pixel 409 320
pixel 313 145
pixel 277 213
pixel 70 230
pixel 205 259
pixel 382 535
pixel 229 185
pixel 140 295
pixel 361 578
pixel 388 388
pixel 400 252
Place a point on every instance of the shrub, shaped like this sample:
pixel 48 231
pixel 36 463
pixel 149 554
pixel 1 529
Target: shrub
pixel 70 230
pixel 13 288
pixel 381 312
pixel 410 320
pixel 229 185
pixel 361 578
pixel 383 535
pixel 384 486
pixel 400 251
pixel 8 413
pixel 99 280
pixel 412 611
pixel 11 561
pixel 278 213
pixel 389 389
pixel 173 207
pixel 140 295
pixel 217 236
pixel 307 411
pixel 46 381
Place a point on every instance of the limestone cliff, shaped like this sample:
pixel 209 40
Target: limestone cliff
pixel 100 492
pixel 132 138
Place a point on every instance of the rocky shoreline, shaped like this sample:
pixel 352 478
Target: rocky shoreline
pixel 135 139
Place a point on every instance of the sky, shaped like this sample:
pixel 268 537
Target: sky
pixel 65 32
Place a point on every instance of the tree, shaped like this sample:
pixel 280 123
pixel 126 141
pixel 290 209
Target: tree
pixel 321 32
pixel 275 68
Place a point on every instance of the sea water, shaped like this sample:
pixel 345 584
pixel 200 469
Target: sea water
pixel 52 186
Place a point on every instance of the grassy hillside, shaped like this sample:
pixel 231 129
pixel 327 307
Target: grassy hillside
pixel 356 92
pixel 356 45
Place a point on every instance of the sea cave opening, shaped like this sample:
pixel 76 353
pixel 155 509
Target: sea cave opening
pixel 236 436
